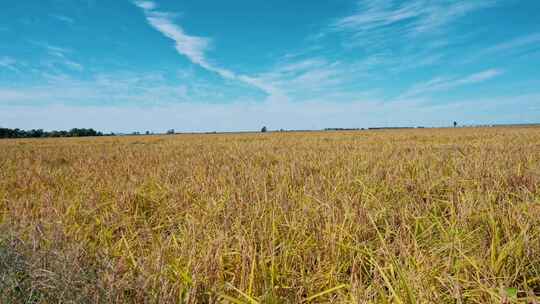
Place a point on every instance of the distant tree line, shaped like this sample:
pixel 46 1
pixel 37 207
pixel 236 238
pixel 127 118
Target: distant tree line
pixel 343 129
pixel 37 133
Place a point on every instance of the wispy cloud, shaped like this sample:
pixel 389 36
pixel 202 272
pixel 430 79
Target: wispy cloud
pixel 8 63
pixel 193 47
pixel 437 16
pixel 58 56
pixel 515 48
pixel 447 83
pixel 392 36
pixel 146 5
pixel 73 65
pixel 298 80
pixel 115 88
pixel 63 18
pixel 415 16
pixel 519 44
pixel 52 50
pixel 479 77
pixel 312 74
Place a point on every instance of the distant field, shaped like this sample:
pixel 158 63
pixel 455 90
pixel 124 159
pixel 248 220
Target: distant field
pixel 390 216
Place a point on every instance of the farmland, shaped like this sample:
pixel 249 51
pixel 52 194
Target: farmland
pixel 386 216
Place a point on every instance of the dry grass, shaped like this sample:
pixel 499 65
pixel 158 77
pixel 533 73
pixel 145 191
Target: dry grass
pixel 405 216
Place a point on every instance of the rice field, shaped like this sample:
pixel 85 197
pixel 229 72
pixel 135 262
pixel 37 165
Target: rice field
pixel 387 216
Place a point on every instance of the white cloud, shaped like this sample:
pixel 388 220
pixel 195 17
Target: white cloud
pixel 146 5
pixel 307 77
pixel 479 77
pixel 415 16
pixel 57 57
pixel 522 46
pixel 8 63
pixel 393 36
pixel 378 13
pixel 517 44
pixel 73 65
pixel 436 16
pixel 447 83
pixel 52 50
pixel 56 50
pixel 117 88
pixel 193 47
pixel 62 18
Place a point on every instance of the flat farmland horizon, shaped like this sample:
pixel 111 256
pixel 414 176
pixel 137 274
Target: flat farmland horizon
pixel 449 215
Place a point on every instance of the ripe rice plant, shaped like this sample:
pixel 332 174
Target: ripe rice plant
pixel 386 216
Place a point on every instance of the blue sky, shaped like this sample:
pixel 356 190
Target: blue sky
pixel 202 65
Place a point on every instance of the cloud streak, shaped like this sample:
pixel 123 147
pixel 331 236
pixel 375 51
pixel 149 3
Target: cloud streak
pixel 415 16
pixel 522 43
pixel 63 18
pixel 194 47
pixel 448 83
pixel 8 63
pixel 58 57
pixel 112 89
